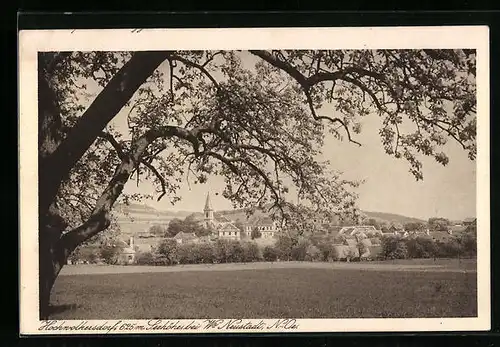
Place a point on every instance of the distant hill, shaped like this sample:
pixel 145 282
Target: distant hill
pixel 392 217
pixel 136 218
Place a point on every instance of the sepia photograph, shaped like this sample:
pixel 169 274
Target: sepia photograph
pixel 222 185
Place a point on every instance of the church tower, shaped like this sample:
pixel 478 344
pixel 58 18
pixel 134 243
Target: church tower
pixel 208 212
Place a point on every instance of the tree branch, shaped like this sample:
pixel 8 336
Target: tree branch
pixel 55 168
pixel 159 176
pixel 110 138
pixel 197 66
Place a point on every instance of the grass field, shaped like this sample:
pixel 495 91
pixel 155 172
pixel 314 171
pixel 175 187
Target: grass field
pixel 267 293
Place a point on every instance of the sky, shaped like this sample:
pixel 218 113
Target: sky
pixel 446 191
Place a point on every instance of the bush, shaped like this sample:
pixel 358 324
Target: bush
pixel 236 252
pixel 313 253
pixel 222 251
pixel 469 245
pixel 204 253
pixel 362 248
pixel 270 253
pixel 394 248
pixel 284 246
pixel 324 248
pixel 299 251
pixel 339 239
pixel 186 254
pixel 160 261
pixel 168 248
pixel 421 247
pixel 110 253
pixel 145 258
pixel 448 249
pixel 251 252
pixel 333 254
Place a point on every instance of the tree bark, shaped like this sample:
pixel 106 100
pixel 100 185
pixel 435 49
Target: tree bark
pixel 52 257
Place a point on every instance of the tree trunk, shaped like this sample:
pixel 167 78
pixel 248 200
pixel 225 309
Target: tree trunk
pixel 52 257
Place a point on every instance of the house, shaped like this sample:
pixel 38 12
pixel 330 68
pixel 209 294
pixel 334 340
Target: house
pixel 183 238
pixel 228 231
pixel 360 231
pixel 267 227
pixel 127 253
pixel 457 229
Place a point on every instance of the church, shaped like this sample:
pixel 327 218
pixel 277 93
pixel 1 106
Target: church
pixel 221 227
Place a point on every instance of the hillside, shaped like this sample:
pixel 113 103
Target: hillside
pixel 137 218
pixel 392 217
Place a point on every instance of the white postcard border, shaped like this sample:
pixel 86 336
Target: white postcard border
pixel 33 41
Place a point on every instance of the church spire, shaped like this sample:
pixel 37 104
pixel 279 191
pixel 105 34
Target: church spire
pixel 209 212
pixel 208 204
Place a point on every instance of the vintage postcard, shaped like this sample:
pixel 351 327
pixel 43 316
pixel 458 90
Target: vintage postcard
pixel 254 180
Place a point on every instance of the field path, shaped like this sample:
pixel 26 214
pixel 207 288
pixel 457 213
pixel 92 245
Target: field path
pixel 115 269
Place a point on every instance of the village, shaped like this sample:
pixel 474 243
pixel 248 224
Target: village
pixel 363 241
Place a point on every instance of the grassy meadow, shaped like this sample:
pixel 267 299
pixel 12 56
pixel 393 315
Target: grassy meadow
pixel 267 293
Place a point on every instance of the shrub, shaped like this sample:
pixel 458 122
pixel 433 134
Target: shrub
pixel 270 253
pixel 222 251
pixel 161 261
pixel 168 248
pixel 421 247
pixel 110 253
pixel 448 249
pixel 324 248
pixel 394 248
pixel 363 251
pixel 236 252
pixel 204 253
pixel 186 254
pixel 284 247
pixel 333 253
pixel 299 251
pixel 469 245
pixel 145 258
pixel 313 253
pixel 339 239
pixel 87 254
pixel 251 252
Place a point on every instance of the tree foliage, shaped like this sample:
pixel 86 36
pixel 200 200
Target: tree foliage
pixel 157 230
pixel 439 224
pixel 188 225
pixel 255 234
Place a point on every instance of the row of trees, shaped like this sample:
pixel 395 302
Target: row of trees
pixel 308 249
pixel 221 251
pixel 422 247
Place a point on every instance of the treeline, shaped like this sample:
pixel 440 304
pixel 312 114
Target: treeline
pixel 221 251
pixel 316 249
pixel 423 247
